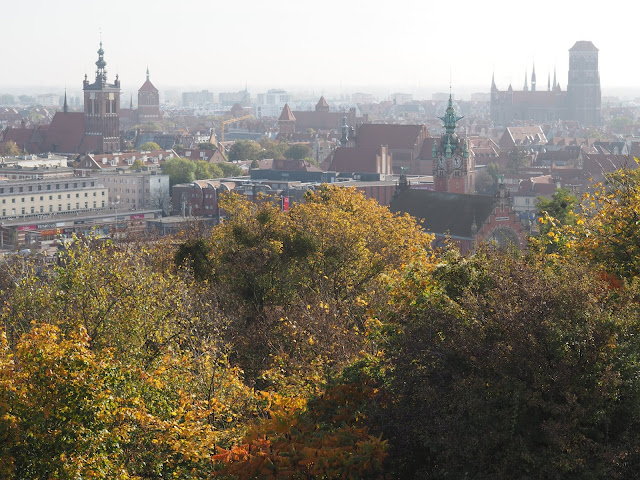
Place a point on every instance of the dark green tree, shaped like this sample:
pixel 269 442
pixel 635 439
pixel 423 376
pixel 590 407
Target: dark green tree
pixel 244 150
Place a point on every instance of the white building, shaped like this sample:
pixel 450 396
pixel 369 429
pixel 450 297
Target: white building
pixel 136 190
pixel 270 104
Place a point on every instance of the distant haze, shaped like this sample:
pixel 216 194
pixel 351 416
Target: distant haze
pixel 330 46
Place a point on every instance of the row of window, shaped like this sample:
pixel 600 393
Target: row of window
pixel 30 188
pixel 33 199
pixel 50 210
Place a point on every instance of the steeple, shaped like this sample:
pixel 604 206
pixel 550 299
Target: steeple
pixel 65 107
pixel 101 73
pixel 549 83
pixel 131 102
pixel 493 82
pixel 147 73
pixel 533 78
pixel 555 84
pixel 526 86
pixel 450 139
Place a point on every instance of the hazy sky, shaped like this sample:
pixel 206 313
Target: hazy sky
pixel 400 45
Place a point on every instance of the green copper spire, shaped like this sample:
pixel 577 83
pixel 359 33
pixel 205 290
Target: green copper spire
pixel 450 139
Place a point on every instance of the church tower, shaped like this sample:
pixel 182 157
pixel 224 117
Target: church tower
pixel 148 102
pixel 453 167
pixel 583 88
pixel 102 108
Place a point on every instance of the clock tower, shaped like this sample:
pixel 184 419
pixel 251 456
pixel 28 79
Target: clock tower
pixel 453 164
pixel 102 108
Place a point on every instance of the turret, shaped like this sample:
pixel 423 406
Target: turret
pixel 533 78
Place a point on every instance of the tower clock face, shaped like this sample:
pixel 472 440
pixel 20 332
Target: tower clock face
pixel 112 96
pixel 457 162
pixel 92 95
pixel 441 162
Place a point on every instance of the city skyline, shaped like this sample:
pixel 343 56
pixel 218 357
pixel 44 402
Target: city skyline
pixel 336 47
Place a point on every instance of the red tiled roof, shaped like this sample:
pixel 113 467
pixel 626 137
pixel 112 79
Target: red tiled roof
pixel 20 136
pixel 426 152
pixel 286 113
pixel 147 86
pixel 322 103
pixel 394 136
pixel 66 134
pixel 318 120
pixel 359 160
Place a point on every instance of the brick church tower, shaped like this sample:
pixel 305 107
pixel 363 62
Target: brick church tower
pixel 148 102
pixel 102 108
pixel 453 168
pixel 583 88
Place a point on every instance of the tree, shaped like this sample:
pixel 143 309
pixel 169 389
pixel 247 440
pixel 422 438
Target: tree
pixel 560 207
pixel 137 165
pixel 149 147
pixel 254 164
pixel 272 148
pixel 305 280
pixel 517 159
pixel 499 366
pixel 205 170
pixel 485 183
pixel 244 150
pixel 207 146
pixel 299 151
pixel 9 149
pixel 230 170
pixel 606 229
pixel 180 170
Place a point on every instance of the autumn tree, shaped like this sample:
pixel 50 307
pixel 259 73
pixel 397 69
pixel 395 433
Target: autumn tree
pixel 9 149
pixel 149 147
pixel 299 151
pixel 499 367
pixel 305 279
pixel 244 150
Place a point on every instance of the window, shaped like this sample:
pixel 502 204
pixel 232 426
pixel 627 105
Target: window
pixel 41 198
pixel 59 208
pixel 23 210
pixel 68 206
pixel 59 197
pixel 68 195
pixel 51 208
pixel 48 187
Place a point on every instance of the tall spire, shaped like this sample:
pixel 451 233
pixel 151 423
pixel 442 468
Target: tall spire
pixel 554 77
pixel 526 86
pixel 533 78
pixel 65 107
pixel 493 82
pixel 549 83
pixel 131 102
pixel 101 73
pixel 147 73
pixel 450 139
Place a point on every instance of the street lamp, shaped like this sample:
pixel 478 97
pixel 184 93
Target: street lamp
pixel 115 206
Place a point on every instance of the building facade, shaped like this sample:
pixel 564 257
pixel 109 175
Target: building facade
pixel 581 101
pixel 454 166
pixel 101 107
